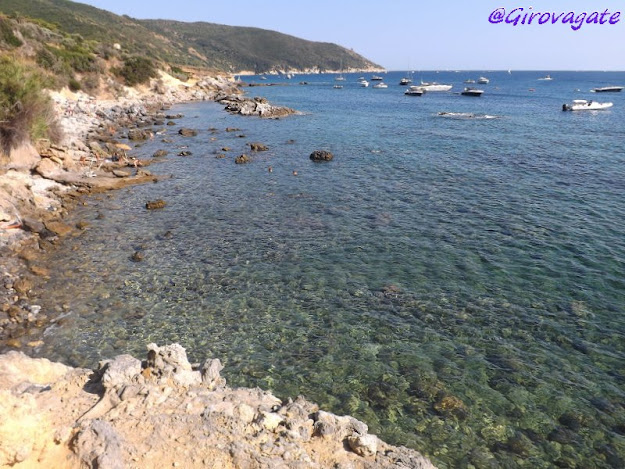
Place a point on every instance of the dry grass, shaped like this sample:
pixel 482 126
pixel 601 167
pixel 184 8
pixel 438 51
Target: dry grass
pixel 26 111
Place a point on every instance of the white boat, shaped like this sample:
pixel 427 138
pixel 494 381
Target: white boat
pixel 339 78
pixel 433 86
pixel 405 81
pixel 338 87
pixel 380 85
pixel 607 89
pixel 469 81
pixel 376 78
pixel 483 81
pixel 472 92
pixel 584 105
pixel 414 91
pixel 363 83
pixel 546 78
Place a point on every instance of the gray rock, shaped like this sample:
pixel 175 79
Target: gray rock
pixel 120 371
pixel 363 445
pixel 210 374
pixel 99 446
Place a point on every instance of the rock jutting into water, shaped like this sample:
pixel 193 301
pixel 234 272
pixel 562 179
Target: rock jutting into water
pixel 321 155
pixel 165 412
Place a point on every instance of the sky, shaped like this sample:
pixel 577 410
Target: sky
pixel 423 35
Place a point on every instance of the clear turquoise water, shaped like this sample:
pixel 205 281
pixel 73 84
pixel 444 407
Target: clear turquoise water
pixel 457 283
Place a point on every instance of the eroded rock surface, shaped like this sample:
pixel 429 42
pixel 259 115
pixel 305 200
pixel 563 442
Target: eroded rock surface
pixel 162 412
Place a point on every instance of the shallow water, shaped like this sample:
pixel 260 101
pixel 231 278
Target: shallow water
pixel 456 283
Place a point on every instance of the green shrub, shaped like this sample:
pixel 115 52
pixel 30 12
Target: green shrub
pixel 6 33
pixel 136 70
pixel 26 111
pixel 179 73
pixel 74 85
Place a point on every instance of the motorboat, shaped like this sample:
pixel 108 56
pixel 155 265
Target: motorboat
pixel 546 78
pixel 414 91
pixel 376 78
pixel 607 89
pixel 380 85
pixel 338 87
pixel 363 83
pixel 433 86
pixel 339 78
pixel 483 81
pixel 405 81
pixel 472 92
pixel 584 105
pixel 469 81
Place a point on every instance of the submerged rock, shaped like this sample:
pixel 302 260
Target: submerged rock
pixel 188 132
pixel 258 146
pixel 155 204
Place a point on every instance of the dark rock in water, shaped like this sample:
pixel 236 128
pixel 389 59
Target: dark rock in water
pixel 187 132
pixel 167 140
pixel 155 204
pixel 241 159
pixel 185 153
pixel 160 153
pixel 258 146
pixel 158 122
pixel 290 141
pixel 220 155
pixel 174 116
pixel 33 226
pixel 225 149
pixel 171 123
pixel 321 155
pixel 139 134
pixel 137 256
pixel 232 129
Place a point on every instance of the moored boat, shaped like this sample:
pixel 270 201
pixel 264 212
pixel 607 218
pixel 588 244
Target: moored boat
pixel 483 81
pixel 380 85
pixel 433 86
pixel 472 92
pixel 607 89
pixel 546 78
pixel 376 78
pixel 414 91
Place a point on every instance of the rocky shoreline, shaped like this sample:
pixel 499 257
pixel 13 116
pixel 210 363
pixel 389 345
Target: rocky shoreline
pixel 162 412
pixel 41 183
pixel 165 412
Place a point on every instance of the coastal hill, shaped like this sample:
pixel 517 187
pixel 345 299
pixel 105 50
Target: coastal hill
pixel 204 45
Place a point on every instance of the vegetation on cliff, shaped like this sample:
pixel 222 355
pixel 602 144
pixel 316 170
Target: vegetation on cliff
pixel 206 45
pixel 25 112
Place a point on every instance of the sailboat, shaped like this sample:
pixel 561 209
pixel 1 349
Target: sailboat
pixel 340 76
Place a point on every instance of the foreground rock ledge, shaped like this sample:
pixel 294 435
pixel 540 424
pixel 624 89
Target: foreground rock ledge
pixel 163 412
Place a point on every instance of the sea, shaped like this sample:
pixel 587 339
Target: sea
pixel 454 277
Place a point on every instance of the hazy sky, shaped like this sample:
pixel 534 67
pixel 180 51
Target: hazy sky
pixel 422 35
